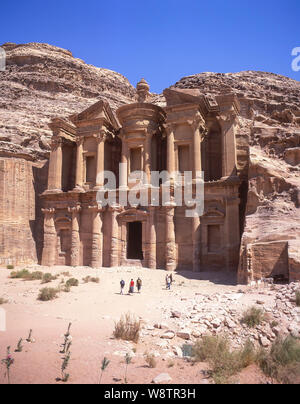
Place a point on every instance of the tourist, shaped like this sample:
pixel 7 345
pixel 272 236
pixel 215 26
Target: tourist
pixel 139 285
pixel 122 284
pixel 167 278
pixel 169 282
pixel 131 287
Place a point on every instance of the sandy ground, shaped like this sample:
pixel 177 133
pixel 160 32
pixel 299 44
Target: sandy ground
pixel 93 309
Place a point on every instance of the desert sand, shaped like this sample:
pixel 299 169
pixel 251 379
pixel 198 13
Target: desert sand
pixel 93 309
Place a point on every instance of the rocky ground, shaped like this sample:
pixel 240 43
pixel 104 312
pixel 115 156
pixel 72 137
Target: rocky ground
pixel 205 304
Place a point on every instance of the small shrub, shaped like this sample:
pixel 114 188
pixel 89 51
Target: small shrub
pixel 67 289
pixel 283 360
pixel 88 279
pixel 26 275
pixel 47 294
pixel 10 267
pixel 224 362
pixel 274 323
pixel 298 298
pixel 171 364
pixel 72 282
pixel 47 278
pixel 3 301
pixel 128 328
pixel 66 274
pixel 151 361
pixel 253 317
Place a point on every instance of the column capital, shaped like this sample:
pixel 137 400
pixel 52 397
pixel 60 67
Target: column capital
pixel 56 142
pixel 101 136
pixel 169 128
pixel 48 211
pixel 74 209
pixel 95 208
pixel 79 140
pixel 170 205
pixel 226 118
pixel 198 123
pixel 115 208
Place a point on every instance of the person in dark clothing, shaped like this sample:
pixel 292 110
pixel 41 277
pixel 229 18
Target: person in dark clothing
pixel 122 284
pixel 139 285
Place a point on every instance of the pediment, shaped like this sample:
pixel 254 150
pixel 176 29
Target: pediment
pixel 101 110
pixel 133 213
pixel 213 212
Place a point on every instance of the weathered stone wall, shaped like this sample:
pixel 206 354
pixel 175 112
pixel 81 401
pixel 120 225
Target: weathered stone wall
pixel 20 224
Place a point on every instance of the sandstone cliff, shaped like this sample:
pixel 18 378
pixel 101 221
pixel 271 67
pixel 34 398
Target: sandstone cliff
pixel 43 81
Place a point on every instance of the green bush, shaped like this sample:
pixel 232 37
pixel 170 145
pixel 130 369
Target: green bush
pixel 224 362
pixel 253 317
pixel 10 267
pixel 47 278
pixel 3 301
pixel 26 275
pixel 283 360
pixel 47 294
pixel 72 282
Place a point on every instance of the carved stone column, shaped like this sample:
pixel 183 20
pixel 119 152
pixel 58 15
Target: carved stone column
pixel 79 163
pixel 171 256
pixel 97 237
pixel 152 239
pixel 55 165
pixel 198 126
pixel 50 238
pixel 75 239
pixel 101 137
pixel 124 160
pixel 170 128
pixel 196 243
pixel 114 247
pixel 147 157
pixel 228 122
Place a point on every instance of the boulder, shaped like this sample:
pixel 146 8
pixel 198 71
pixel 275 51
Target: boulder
pixel 162 378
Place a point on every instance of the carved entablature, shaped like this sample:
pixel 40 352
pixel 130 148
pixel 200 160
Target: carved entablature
pixel 133 215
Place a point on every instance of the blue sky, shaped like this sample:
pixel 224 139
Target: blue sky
pixel 162 40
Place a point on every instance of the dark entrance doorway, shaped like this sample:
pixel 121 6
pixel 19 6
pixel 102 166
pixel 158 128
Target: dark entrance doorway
pixel 134 241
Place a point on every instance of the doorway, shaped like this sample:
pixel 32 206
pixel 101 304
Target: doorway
pixel 135 241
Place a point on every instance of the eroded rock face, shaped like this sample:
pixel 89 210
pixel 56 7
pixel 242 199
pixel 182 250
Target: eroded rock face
pixel 42 82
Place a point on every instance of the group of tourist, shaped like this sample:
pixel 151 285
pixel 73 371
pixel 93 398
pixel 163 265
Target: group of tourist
pixel 131 286
pixel 138 284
